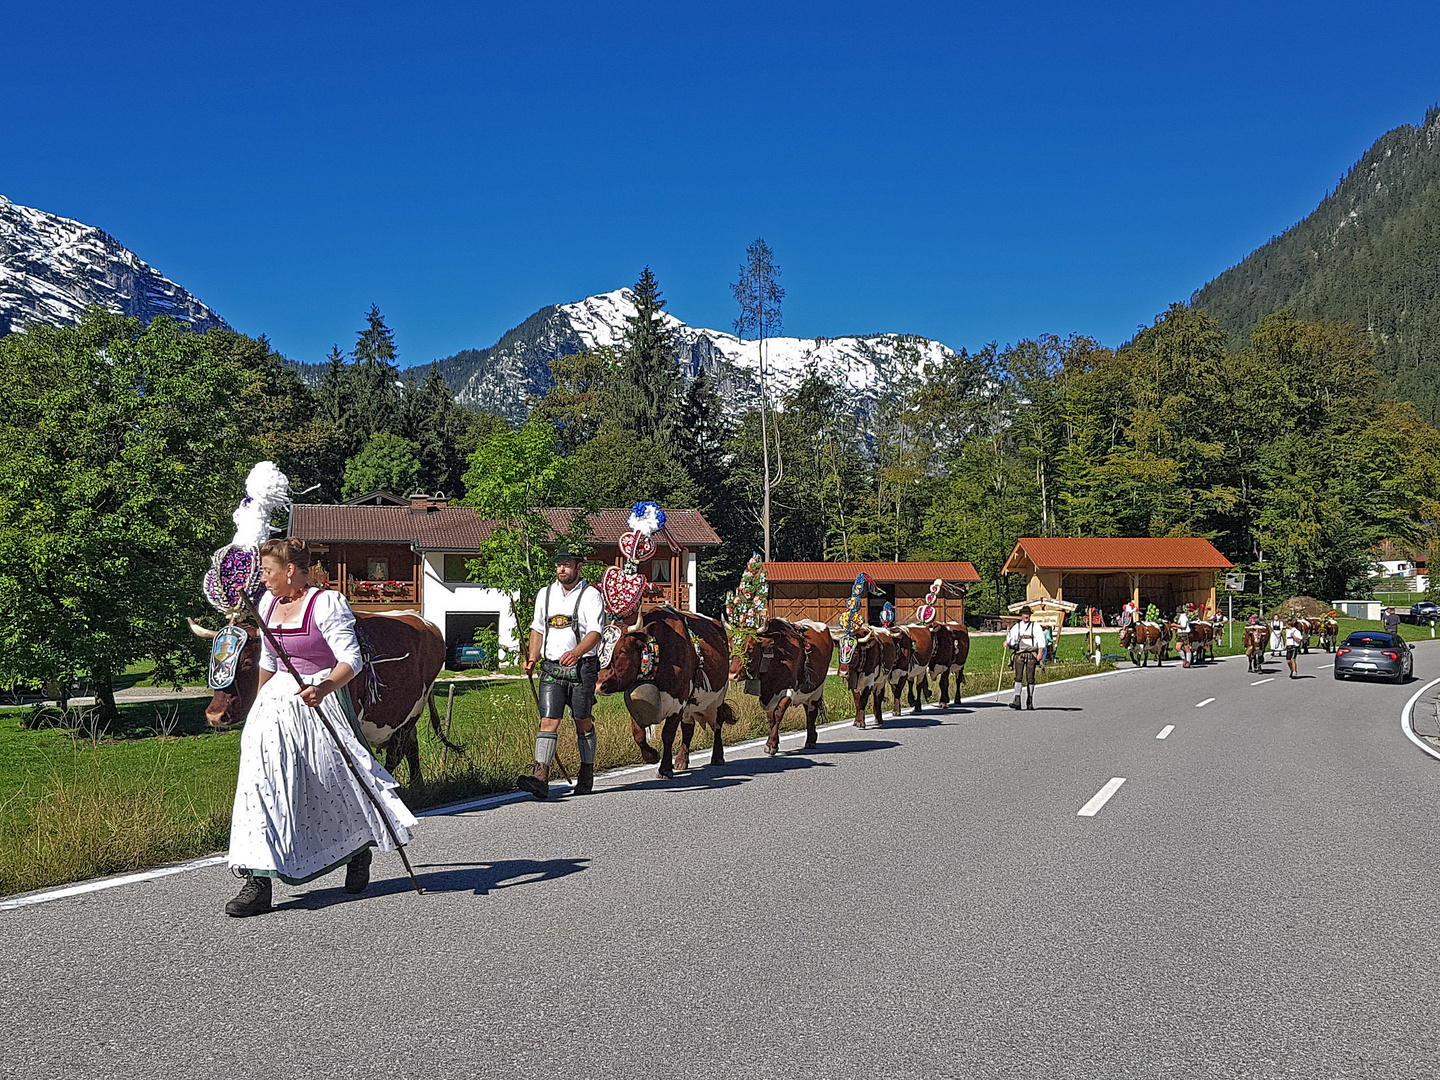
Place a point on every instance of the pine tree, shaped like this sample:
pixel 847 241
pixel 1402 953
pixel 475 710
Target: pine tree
pixel 437 425
pixel 333 392
pixel 759 294
pixel 376 400
pixel 651 367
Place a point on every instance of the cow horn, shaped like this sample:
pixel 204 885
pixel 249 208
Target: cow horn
pixel 200 631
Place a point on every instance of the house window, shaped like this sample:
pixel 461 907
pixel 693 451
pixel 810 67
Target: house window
pixel 455 568
pixel 660 570
pixel 377 568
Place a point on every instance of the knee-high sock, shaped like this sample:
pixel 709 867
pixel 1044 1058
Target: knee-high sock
pixel 587 747
pixel 1017 687
pixel 545 746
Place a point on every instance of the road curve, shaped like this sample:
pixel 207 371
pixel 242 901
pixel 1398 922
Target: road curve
pixel 1257 896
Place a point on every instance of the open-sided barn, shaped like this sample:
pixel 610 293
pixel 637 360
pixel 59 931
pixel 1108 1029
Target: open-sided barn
pixel 820 590
pixel 1105 572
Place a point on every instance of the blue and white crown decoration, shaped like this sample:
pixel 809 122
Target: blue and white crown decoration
pixel 235 568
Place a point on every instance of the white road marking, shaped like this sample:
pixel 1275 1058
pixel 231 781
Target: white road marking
pixel 1271 679
pixel 109 883
pixel 1405 720
pixel 1323 666
pixel 1101 797
pixel 1202 704
pixel 1165 731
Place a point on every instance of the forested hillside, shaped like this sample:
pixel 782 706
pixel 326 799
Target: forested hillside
pixel 1369 254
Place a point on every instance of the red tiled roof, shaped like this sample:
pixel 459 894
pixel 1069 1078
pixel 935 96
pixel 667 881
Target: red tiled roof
pixel 459 528
pixel 881 572
pixel 1116 553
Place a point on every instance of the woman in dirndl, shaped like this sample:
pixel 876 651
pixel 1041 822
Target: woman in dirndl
pixel 300 810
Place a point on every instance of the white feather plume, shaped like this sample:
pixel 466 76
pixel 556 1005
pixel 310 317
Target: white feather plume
pixel 646 517
pixel 267 490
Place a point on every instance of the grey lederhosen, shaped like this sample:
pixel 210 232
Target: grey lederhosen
pixel 557 688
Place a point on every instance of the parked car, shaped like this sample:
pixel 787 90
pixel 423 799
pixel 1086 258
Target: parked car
pixel 1374 652
pixel 1424 611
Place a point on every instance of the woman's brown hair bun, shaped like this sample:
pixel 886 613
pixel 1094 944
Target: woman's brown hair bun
pixel 290 549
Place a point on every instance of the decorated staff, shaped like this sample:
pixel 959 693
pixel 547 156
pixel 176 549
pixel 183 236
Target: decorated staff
pixel 309 797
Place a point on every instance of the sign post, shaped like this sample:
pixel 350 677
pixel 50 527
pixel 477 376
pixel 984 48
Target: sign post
pixel 1233 583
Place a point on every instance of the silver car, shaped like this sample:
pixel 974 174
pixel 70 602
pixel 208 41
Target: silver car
pixel 1374 652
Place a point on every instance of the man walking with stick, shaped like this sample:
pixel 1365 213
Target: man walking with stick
pixel 1027 641
pixel 564 641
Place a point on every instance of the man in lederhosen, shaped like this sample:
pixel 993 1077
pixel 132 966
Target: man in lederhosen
pixel 564 640
pixel 1028 641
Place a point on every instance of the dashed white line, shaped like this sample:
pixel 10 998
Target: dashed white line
pixel 1202 704
pixel 1101 797
pixel 1259 681
pixel 1165 731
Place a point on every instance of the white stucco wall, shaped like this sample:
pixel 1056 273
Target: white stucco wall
pixel 692 577
pixel 440 597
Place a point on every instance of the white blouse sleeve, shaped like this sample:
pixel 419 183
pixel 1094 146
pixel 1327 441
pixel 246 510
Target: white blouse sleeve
pixel 337 624
pixel 268 662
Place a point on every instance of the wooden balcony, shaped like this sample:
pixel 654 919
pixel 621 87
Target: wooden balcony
pixel 382 595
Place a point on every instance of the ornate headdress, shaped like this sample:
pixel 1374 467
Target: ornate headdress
pixel 926 614
pixel 235 568
pixel 622 588
pixel 854 627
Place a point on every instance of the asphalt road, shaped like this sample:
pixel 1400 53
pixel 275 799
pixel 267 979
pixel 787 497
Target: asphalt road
pixel 1259 898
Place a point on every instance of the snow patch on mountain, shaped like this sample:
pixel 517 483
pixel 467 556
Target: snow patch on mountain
pixel 502 377
pixel 53 268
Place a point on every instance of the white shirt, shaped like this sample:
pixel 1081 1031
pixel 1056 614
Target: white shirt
pixel 1183 622
pixel 335 620
pixel 1026 636
pixel 563 638
pixel 1294 637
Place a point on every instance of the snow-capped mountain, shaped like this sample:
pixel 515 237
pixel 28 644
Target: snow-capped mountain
pixel 52 269
pixel 501 377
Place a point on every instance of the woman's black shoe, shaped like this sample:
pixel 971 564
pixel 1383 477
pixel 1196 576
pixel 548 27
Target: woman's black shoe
pixel 357 872
pixel 252 899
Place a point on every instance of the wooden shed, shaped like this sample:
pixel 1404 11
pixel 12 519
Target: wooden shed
pixel 820 590
pixel 1105 572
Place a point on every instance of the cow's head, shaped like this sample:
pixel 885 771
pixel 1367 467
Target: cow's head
pixel 633 660
pixel 747 650
pixel 228 708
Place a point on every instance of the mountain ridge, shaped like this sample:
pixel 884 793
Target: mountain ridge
pixel 52 268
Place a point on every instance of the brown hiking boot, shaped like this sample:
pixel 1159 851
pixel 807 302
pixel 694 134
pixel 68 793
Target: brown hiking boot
pixel 585 782
pixel 537 784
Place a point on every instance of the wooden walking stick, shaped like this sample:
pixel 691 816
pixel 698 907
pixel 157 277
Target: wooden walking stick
pixel 325 720
pixel 449 712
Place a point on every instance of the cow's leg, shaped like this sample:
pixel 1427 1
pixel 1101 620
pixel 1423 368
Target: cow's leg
pixel 861 699
pixel 879 704
pixel 682 756
pixel 812 737
pixel 717 745
pixel 667 741
pixel 648 754
pixel 776 716
pixel 959 682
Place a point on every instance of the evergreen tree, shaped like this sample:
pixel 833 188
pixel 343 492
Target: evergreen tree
pixel 437 425
pixel 650 364
pixel 332 395
pixel 375 398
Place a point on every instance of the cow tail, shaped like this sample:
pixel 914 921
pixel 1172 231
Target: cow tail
pixel 435 722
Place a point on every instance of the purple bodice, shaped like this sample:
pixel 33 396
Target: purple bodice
pixel 305 644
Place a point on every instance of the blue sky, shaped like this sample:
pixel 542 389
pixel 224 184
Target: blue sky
pixel 966 172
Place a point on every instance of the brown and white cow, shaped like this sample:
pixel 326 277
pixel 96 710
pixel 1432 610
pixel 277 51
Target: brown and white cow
pixel 952 649
pixel 409 653
pixel 786 663
pixel 861 673
pixel 922 655
pixel 897 650
pixel 682 690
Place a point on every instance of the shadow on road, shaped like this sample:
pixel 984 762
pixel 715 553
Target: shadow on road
pixel 742 770
pixel 480 878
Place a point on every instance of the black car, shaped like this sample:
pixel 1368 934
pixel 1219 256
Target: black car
pixel 1374 652
pixel 1424 611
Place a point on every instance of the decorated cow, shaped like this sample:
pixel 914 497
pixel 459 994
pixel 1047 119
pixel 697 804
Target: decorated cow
pixel 404 655
pixel 673 670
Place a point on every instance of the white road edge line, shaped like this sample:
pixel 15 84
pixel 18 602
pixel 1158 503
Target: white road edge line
pixel 483 803
pixel 1165 731
pixel 1271 679
pixel 1101 797
pixel 1202 704
pixel 1406 726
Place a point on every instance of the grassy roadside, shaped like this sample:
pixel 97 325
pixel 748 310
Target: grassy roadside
pixel 158 787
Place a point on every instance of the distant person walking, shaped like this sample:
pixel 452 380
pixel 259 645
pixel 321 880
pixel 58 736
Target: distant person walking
pixel 1293 640
pixel 1277 636
pixel 1390 621
pixel 1027 641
